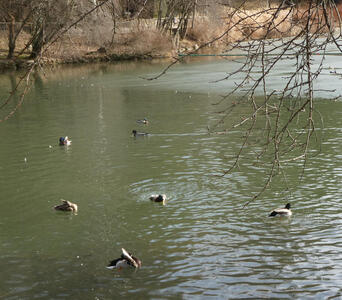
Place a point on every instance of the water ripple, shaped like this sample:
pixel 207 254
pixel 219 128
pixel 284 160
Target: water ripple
pixel 202 244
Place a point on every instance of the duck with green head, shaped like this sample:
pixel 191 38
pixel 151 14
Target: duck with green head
pixel 137 133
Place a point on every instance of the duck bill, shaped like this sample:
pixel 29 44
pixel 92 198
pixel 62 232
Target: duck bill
pixel 126 254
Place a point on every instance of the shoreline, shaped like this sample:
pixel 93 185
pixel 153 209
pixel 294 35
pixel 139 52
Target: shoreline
pixel 18 64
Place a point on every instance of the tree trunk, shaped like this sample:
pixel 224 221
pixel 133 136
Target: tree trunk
pixel 11 37
pixel 37 43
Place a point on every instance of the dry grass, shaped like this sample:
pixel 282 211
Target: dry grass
pixel 242 25
pixel 258 24
pixel 130 39
pixel 70 48
pixel 142 42
pixel 203 30
pixel 22 39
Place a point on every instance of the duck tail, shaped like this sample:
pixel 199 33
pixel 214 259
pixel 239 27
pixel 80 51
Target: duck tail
pixel 112 264
pixel 273 214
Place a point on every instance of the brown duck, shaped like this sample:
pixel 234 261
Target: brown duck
pixel 67 206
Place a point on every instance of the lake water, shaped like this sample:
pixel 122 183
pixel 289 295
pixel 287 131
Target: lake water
pixel 202 243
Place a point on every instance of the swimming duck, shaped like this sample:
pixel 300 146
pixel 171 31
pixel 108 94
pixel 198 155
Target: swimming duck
pixel 67 206
pixel 283 212
pixel 161 198
pixel 143 121
pixel 126 260
pixel 136 133
pixel 64 141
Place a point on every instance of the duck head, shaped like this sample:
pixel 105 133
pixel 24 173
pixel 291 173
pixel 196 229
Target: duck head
pixel 137 261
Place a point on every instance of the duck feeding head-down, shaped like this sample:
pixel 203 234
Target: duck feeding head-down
pixel 125 261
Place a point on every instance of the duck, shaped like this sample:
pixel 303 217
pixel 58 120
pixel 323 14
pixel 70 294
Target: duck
pixel 161 198
pixel 143 121
pixel 136 133
pixel 67 206
pixel 64 141
pixel 126 260
pixel 283 212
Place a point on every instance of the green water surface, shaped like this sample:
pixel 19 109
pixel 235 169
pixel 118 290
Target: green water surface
pixel 202 244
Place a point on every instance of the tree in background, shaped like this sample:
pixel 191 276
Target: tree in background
pixel 137 8
pixel 51 21
pixel 49 18
pixel 16 14
pixel 173 16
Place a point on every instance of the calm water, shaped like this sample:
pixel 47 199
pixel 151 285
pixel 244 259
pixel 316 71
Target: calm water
pixel 202 244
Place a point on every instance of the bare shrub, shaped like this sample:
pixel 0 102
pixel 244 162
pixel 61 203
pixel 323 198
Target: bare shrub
pixel 203 30
pixel 143 42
